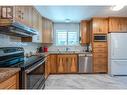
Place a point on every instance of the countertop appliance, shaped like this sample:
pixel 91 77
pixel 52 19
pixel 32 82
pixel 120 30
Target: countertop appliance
pixel 100 37
pixel 85 63
pixel 117 54
pixel 32 68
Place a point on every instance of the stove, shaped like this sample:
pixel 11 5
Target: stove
pixel 32 68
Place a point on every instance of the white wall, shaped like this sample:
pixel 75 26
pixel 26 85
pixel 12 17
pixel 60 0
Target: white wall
pixel 10 41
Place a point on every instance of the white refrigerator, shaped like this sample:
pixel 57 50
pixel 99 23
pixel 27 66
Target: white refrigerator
pixel 117 54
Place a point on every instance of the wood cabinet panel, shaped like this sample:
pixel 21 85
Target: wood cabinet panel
pixel 100 68
pixel 53 63
pixel 118 24
pixel 66 63
pixel 100 25
pixel 103 50
pixel 72 63
pixel 61 64
pixel 99 44
pixel 47 31
pixel 85 32
pixel 47 67
pixel 100 54
pixel 10 83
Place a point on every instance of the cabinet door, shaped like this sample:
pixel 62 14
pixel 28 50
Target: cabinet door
pixel 19 14
pixel 85 32
pixel 53 64
pixel 61 64
pixel 47 67
pixel 26 15
pixel 100 25
pixel 35 24
pixel 72 63
pixel 40 28
pixel 47 31
pixel 35 19
pixel 117 24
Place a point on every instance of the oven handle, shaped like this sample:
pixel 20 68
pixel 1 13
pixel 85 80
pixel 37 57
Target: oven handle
pixel 34 67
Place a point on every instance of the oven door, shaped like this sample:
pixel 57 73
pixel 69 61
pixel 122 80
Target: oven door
pixel 35 76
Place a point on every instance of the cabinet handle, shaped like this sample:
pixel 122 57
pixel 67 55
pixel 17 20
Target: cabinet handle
pixel 22 15
pixel 99 30
pixel 19 16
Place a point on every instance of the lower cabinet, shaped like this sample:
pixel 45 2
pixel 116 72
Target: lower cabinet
pixel 67 64
pixel 53 63
pixel 100 57
pixel 47 67
pixel 11 83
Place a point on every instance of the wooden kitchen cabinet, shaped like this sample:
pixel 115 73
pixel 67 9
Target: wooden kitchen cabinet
pixel 53 63
pixel 35 19
pixel 99 25
pixel 11 83
pixel 117 24
pixel 85 32
pixel 72 63
pixel 61 63
pixel 37 24
pixel 100 57
pixel 47 67
pixel 47 31
pixel 22 14
pixel 67 64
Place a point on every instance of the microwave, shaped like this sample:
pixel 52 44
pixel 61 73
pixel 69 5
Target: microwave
pixel 100 38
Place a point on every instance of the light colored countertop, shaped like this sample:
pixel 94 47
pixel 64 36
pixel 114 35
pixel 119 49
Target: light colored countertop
pixel 5 73
pixel 65 52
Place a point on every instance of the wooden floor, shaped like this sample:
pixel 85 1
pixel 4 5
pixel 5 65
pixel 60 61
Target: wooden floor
pixel 86 81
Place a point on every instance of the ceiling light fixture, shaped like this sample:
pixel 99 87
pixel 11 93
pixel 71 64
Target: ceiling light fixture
pixel 117 7
pixel 67 20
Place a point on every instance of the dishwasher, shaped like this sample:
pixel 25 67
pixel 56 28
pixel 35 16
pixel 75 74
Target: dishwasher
pixel 85 63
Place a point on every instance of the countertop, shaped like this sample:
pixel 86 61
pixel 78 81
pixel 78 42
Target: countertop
pixel 65 52
pixel 5 73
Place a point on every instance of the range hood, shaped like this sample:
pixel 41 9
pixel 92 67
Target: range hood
pixel 17 29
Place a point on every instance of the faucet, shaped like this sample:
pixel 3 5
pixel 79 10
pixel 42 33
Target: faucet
pixel 58 50
pixel 67 48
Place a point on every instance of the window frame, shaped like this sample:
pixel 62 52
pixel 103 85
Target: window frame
pixel 56 38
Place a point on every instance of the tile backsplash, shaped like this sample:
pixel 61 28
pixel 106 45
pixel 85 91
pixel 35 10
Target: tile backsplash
pixel 10 41
pixel 70 48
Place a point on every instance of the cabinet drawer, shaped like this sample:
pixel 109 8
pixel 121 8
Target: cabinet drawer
pixel 100 60
pixel 100 67
pixel 8 83
pixel 100 44
pixel 100 55
pixel 100 50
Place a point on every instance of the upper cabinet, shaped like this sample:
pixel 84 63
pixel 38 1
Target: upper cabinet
pixel 47 28
pixel 85 32
pixel 100 25
pixel 30 17
pixel 118 24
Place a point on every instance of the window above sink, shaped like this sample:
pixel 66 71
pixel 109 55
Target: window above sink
pixel 66 34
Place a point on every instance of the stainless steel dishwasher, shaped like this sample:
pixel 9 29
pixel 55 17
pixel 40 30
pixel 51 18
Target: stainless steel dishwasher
pixel 85 63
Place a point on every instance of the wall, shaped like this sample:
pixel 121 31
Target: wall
pixel 68 27
pixel 10 41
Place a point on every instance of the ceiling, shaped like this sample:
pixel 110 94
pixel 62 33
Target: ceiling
pixel 77 13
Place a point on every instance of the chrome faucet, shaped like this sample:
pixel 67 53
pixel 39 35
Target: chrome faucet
pixel 67 49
